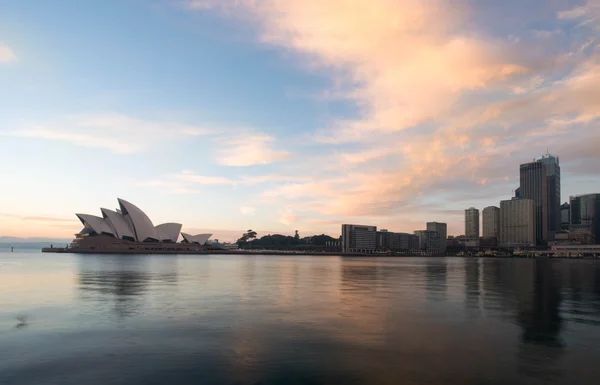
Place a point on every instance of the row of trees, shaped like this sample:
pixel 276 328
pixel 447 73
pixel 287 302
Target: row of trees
pixel 249 240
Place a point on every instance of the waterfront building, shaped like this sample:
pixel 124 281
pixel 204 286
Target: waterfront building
pixel 540 181
pixel 129 228
pixel 429 241
pixel 387 240
pixel 565 216
pixel 442 229
pixel 472 223
pixel 358 238
pixel 517 223
pixel 585 215
pixel 491 222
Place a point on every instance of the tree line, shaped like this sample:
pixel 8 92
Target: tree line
pixel 249 240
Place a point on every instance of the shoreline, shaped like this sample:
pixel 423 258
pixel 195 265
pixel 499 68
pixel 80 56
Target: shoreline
pixel 63 250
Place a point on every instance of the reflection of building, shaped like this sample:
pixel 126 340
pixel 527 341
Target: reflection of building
pixel 539 307
pixel 517 223
pixel 119 284
pixel 472 223
pixel 491 222
pixel 358 238
pixel 442 230
pixel 585 215
pixel 540 181
pixel 429 241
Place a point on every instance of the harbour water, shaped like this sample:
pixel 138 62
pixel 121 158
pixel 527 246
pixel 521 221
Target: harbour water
pixel 227 319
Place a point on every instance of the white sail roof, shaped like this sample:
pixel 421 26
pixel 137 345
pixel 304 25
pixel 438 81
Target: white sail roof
pixel 200 238
pixel 168 231
pixel 98 224
pixel 118 223
pixel 142 225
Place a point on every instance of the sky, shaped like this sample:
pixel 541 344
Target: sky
pixel 226 115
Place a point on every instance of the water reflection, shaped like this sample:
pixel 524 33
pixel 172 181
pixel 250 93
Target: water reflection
pixel 539 303
pixel 436 274
pixel 474 298
pixel 268 320
pixel 121 281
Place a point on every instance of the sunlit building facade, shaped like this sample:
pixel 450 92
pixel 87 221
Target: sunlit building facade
pixel 359 238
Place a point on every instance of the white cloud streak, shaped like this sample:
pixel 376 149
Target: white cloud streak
pixel 118 133
pixel 250 149
pixel 6 54
pixel 442 108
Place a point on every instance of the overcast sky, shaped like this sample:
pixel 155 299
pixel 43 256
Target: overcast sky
pixel 297 114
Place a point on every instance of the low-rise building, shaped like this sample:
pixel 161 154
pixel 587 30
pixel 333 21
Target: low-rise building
pixel 391 241
pixel 359 238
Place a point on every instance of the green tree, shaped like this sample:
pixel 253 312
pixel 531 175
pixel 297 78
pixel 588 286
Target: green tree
pixel 250 235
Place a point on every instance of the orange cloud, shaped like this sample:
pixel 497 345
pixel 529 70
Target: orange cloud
pixel 421 81
pixel 403 62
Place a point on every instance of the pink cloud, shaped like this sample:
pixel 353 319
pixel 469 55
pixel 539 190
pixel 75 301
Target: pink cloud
pixel 444 110
pixel 250 149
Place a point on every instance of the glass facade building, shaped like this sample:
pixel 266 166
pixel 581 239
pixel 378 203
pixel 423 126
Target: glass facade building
pixel 585 212
pixel 540 181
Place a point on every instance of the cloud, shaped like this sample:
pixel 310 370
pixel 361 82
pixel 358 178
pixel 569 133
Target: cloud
pixel 250 149
pixel 416 69
pixel 169 187
pixel 6 54
pixel 118 133
pixel 588 14
pixel 187 181
pixel 191 177
pixel 445 111
pixel 247 210
pixel 38 218
pixel 288 217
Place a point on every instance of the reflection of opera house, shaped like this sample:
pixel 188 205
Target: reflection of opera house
pixel 128 229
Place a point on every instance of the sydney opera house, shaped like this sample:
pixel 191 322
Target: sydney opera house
pixel 129 229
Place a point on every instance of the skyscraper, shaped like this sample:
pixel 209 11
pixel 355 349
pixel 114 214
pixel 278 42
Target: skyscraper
pixel 442 229
pixel 491 222
pixel 585 212
pixel 472 223
pixel 540 181
pixel 517 223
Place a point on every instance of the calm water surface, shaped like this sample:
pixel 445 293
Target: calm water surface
pixel 87 319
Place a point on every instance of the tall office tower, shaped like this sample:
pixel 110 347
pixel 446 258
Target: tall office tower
pixel 565 216
pixel 491 222
pixel 585 214
pixel 442 229
pixel 472 223
pixel 540 181
pixel 517 223
pixel 359 238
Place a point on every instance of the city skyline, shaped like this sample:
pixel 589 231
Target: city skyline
pixel 283 116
